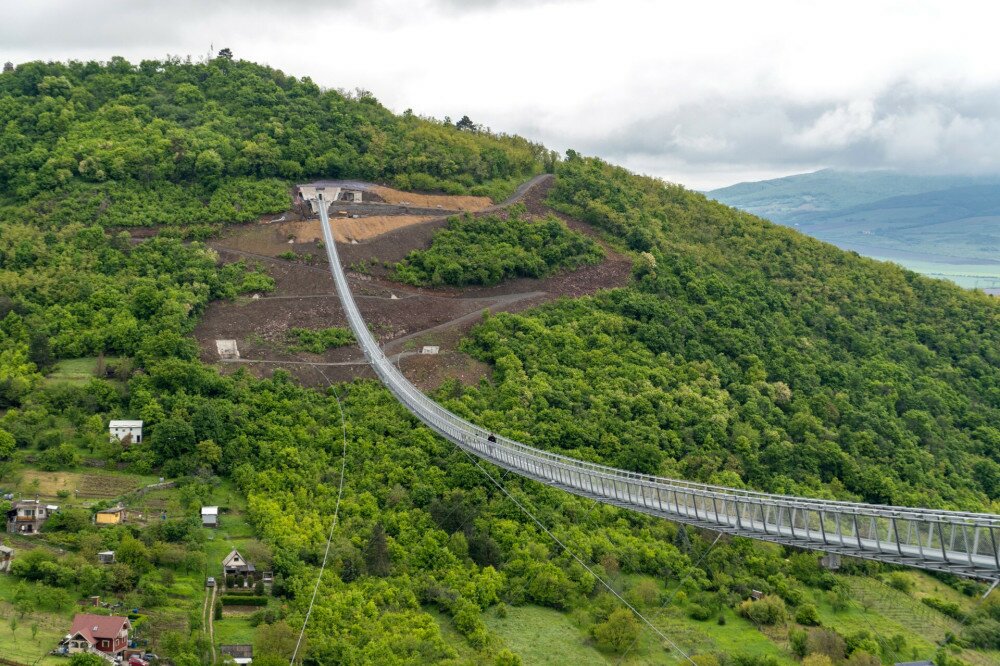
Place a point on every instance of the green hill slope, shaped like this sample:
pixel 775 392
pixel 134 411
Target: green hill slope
pixel 171 142
pixel 742 352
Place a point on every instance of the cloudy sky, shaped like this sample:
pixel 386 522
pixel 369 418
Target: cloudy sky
pixel 705 93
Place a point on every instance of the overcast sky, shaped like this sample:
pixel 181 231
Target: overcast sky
pixel 702 93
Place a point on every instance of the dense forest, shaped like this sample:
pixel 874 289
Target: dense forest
pixel 742 353
pixel 487 250
pixel 171 142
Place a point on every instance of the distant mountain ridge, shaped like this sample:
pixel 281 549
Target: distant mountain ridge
pixel 950 219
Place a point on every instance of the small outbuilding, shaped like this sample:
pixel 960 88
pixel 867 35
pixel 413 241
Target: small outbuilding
pixel 113 516
pixel 241 654
pixel 210 516
pixel 106 557
pixel 125 431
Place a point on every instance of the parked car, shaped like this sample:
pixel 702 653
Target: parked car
pixel 135 660
pixel 210 582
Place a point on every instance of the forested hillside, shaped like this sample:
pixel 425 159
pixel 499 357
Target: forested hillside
pixel 741 353
pixel 170 142
pixel 748 353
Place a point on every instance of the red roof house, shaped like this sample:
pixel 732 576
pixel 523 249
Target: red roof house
pixel 109 634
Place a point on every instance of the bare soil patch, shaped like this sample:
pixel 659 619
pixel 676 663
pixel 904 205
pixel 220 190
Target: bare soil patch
pixel 86 486
pixel 443 201
pixel 404 318
pixel 346 230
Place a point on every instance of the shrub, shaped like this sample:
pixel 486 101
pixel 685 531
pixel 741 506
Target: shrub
pixel 768 610
pixel 799 642
pixel 318 341
pixel 617 632
pixel 243 600
pixel 984 634
pixel 507 658
pixel 823 641
pixel 817 660
pixel 949 608
pixel 900 581
pixel 705 659
pixel 699 612
pixel 862 658
pixel 59 457
pixel 807 615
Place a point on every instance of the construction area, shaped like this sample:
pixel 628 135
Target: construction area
pixel 375 228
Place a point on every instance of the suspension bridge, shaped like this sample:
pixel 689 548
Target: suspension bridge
pixel 966 544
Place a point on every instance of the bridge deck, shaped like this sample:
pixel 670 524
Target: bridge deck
pixel 966 544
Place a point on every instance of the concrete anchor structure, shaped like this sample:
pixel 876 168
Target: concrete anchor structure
pixel 962 543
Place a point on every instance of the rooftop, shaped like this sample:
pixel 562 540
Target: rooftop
pixel 97 626
pixel 237 651
pixel 124 423
pixel 209 510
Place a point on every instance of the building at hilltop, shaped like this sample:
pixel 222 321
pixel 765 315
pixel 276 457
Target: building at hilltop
pixel 307 194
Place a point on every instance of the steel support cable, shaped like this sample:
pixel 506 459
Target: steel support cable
pixel 677 589
pixel 333 525
pixel 577 558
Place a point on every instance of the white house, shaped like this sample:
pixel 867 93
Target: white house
pixel 210 516
pixel 126 432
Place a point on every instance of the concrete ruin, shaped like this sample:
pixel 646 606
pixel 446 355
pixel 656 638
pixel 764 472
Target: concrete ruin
pixel 227 350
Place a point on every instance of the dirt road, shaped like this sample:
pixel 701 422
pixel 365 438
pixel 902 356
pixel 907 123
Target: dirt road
pixel 208 614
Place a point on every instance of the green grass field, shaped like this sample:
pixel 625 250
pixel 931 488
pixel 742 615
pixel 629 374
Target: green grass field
pixel 76 370
pixel 18 644
pixel 545 636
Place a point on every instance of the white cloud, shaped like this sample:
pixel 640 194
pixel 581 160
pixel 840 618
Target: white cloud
pixel 694 92
pixel 838 127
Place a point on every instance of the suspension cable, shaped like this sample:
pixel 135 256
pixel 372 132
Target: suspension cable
pixel 579 561
pixel 680 584
pixel 336 514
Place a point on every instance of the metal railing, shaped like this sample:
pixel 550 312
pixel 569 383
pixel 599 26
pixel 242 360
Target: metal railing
pixel 957 542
